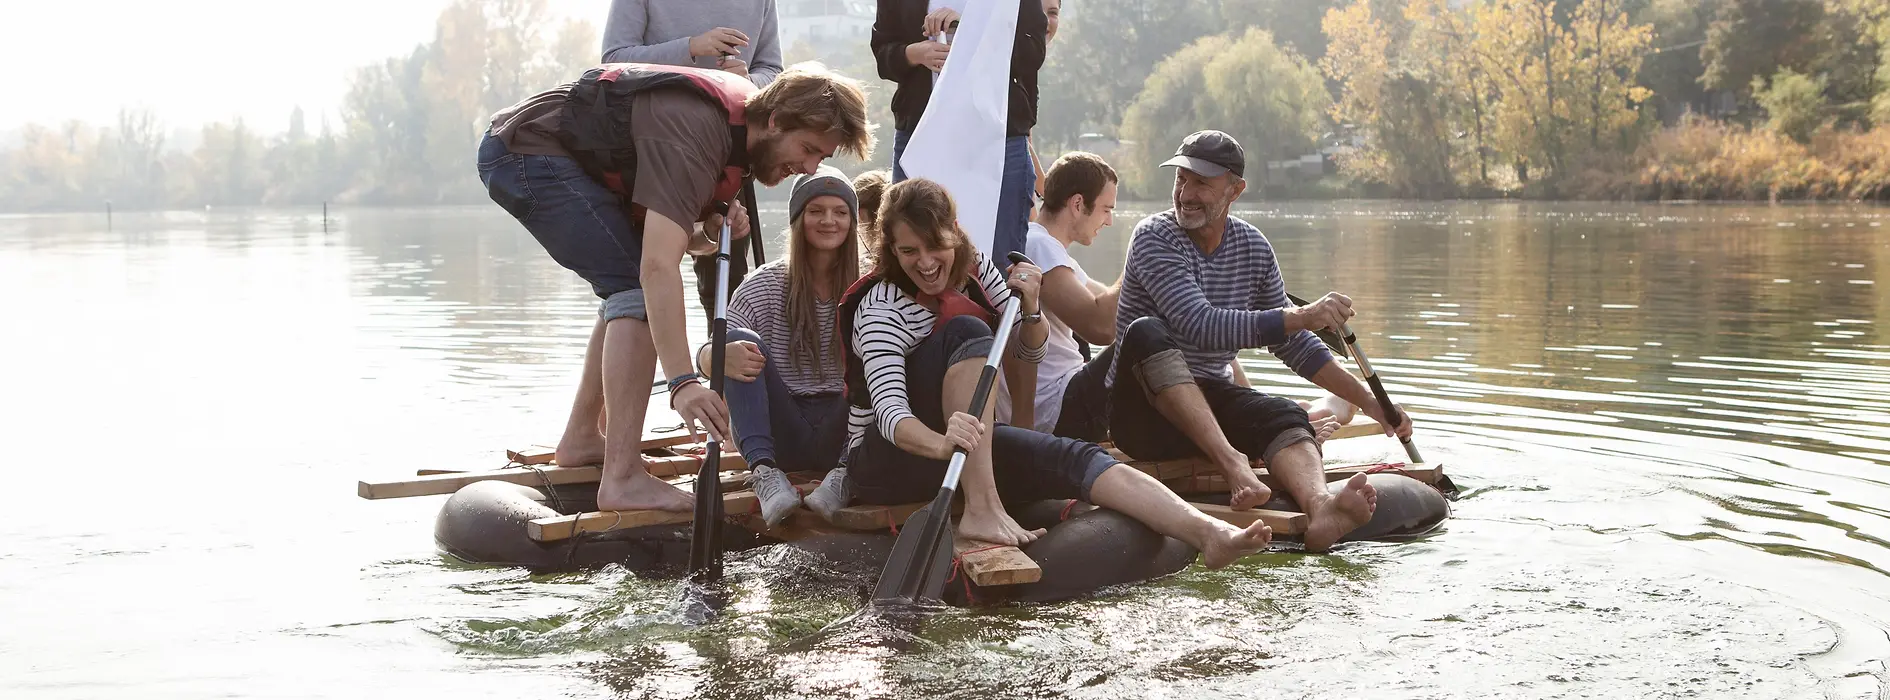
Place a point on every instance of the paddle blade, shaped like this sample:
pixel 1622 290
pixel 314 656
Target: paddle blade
pixel 921 557
pixel 705 541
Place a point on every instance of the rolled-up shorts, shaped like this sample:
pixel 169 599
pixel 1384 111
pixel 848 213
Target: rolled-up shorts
pixel 583 225
pixel 1027 465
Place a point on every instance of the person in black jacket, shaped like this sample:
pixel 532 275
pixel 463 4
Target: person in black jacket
pixel 906 53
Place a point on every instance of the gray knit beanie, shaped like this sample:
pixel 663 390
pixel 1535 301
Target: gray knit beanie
pixel 828 180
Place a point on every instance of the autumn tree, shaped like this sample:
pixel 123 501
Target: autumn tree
pixel 1268 99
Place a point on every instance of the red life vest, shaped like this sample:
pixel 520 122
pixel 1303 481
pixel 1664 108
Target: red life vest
pixel 970 301
pixel 594 125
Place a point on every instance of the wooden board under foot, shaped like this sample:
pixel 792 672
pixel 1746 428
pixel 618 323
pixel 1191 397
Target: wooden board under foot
pixel 1279 521
pixel 739 504
pixel 987 564
pixel 439 484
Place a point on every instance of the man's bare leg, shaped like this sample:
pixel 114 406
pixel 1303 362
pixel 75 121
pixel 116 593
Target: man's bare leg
pixel 583 441
pixel 1329 516
pixel 984 518
pixel 1186 408
pixel 1140 496
pixel 629 362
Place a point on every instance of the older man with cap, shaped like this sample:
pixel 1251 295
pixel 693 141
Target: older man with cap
pixel 1211 281
pixel 785 394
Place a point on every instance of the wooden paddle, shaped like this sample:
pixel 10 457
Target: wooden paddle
pixel 922 556
pixel 705 545
pixel 1392 417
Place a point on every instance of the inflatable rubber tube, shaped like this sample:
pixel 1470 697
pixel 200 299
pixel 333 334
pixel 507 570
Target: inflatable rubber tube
pixel 484 523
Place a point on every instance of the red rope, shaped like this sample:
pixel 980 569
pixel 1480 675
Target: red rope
pixel 1067 507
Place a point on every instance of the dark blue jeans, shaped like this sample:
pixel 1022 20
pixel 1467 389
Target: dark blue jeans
pixel 1027 465
pixel 795 433
pixel 580 223
pixel 1015 195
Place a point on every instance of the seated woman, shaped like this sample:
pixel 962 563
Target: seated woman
pixel 782 362
pixel 1070 399
pixel 919 332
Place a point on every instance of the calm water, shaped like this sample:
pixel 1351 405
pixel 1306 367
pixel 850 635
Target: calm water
pixel 1672 423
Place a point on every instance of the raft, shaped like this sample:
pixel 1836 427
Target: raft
pixel 543 517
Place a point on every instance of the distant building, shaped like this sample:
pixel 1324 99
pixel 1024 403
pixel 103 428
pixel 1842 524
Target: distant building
pixel 820 22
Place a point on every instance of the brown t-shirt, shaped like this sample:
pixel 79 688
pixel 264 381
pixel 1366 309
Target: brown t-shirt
pixel 682 145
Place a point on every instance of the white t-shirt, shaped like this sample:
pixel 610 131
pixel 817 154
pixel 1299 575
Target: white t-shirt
pixel 1061 356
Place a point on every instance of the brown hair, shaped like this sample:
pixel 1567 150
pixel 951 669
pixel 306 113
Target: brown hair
pixel 1076 173
pixel 870 186
pixel 803 326
pixel 811 97
pixel 927 210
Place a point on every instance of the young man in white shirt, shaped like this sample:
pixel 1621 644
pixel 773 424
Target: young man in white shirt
pixel 1071 399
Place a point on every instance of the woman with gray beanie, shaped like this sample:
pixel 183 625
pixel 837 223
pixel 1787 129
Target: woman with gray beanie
pixel 785 400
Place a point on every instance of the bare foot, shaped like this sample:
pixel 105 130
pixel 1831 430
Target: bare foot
pixel 1228 544
pixel 994 526
pixel 1329 407
pixel 635 489
pixel 1323 428
pixel 585 447
pixel 1245 489
pixel 1337 514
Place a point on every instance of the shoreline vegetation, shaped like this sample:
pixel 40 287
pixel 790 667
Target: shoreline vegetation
pixel 1618 100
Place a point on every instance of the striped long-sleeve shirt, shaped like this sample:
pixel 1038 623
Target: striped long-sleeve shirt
pixel 760 304
pixel 887 326
pixel 1215 304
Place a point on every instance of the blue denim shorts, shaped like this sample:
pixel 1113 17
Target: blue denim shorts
pixel 585 227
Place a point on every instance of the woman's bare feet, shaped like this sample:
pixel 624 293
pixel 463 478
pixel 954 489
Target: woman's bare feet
pixel 1228 543
pixel 1244 489
pixel 1323 428
pixel 992 524
pixel 1330 518
pixel 635 489
pixel 1330 407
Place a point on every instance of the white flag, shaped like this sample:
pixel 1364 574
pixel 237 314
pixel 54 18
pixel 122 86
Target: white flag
pixel 959 143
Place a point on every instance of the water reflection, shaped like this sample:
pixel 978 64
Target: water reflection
pixel 1670 421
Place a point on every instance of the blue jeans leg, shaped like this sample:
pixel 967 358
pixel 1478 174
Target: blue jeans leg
pixel 899 149
pixel 1014 199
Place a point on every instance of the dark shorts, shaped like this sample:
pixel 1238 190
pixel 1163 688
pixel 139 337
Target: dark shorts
pixel 1256 424
pixel 580 223
pixel 1027 465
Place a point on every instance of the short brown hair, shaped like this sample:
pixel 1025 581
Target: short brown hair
pixel 811 97
pixel 926 209
pixel 1076 173
pixel 870 186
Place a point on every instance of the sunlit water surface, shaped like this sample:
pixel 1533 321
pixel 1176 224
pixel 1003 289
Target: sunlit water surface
pixel 1672 424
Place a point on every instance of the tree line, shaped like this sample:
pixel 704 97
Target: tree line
pixel 1407 98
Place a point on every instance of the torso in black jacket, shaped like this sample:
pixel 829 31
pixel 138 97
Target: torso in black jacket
pixel 902 22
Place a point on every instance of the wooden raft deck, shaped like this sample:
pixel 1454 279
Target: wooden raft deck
pixel 986 564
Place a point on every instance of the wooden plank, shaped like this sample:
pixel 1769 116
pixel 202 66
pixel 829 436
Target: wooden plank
pixel 438 484
pixel 1361 426
pixel 865 518
pixel 1282 522
pixel 995 565
pixel 739 504
pixel 544 454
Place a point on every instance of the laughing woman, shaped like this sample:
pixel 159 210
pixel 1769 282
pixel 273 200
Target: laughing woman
pixel 782 357
pixel 918 331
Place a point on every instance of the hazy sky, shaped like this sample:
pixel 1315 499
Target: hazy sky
pixel 195 61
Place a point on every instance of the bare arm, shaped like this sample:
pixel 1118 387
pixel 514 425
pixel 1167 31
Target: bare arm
pixel 664 242
pixel 1089 310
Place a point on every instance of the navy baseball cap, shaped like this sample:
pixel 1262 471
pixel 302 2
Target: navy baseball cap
pixel 1210 153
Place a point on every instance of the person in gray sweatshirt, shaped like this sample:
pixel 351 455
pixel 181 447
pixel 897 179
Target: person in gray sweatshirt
pixel 738 36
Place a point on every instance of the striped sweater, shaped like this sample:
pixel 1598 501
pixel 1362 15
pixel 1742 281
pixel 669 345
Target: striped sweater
pixel 1216 304
pixel 888 326
pixel 760 304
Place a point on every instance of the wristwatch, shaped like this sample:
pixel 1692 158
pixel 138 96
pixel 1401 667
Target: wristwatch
pixel 1033 319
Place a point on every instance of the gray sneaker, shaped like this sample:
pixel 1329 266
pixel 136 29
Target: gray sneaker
pixel 778 497
pixel 831 495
